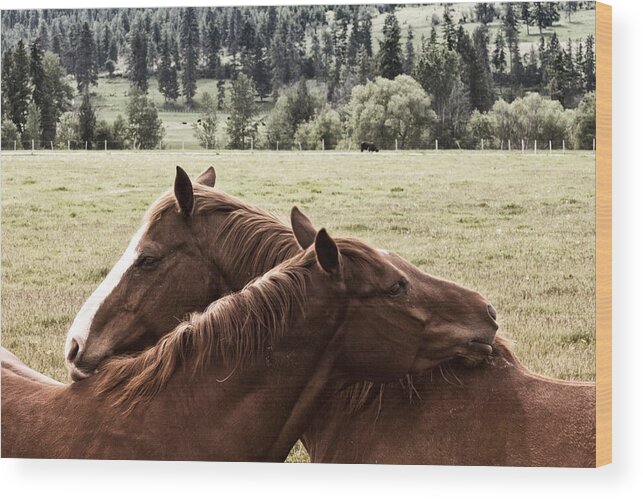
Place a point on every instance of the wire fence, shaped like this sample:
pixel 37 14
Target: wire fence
pixel 522 145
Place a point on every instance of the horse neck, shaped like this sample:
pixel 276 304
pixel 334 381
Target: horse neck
pixel 253 413
pixel 244 246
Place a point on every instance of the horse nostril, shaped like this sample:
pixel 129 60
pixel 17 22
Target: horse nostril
pixel 491 311
pixel 74 348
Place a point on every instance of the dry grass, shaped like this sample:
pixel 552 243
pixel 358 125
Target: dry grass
pixel 518 228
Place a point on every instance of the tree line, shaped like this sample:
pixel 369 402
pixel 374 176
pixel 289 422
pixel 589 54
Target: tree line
pixel 267 52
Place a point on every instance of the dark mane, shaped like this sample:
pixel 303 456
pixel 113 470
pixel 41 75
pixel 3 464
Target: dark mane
pixel 235 329
pixel 255 240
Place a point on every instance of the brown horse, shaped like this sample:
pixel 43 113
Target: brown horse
pixel 176 263
pixel 255 229
pixel 182 260
pixel 498 414
pixel 276 349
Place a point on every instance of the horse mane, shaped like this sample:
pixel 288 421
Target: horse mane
pixel 361 394
pixel 236 329
pixel 254 239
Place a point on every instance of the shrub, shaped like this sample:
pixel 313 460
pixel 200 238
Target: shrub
pixel 205 131
pixel 145 127
pixel 10 135
pixel 326 126
pixel 584 122
pixel 385 110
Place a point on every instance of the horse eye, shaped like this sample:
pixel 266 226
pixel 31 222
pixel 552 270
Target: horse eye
pixel 398 288
pixel 147 262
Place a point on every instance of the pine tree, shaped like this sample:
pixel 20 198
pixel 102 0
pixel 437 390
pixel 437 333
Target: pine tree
pixel 354 39
pixel 589 65
pixel 261 72
pixel 570 8
pixel 167 75
pixel 476 75
pixel 579 62
pixel 449 32
pixel 525 14
pixel 212 44
pixel 498 59
pixel 138 57
pixel 316 58
pixel 41 95
pixel 16 87
pixel 59 92
pixel 113 50
pixel 544 14
pixel 555 71
pixel 190 51
pixel 106 44
pixel 220 95
pixel 511 32
pixel 56 41
pixel 390 54
pixel 366 28
pixel 485 12
pixel 85 68
pixel 301 105
pixel 86 120
pixel 409 59
pixel 43 36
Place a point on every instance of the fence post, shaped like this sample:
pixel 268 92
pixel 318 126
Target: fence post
pixel 594 144
pixel 396 145
pixel 550 147
pixel 105 144
pixel 563 145
pixel 509 144
pixel 436 144
pixel 252 144
pixel 323 145
pixel 535 145
pixel 69 145
pixel 482 144
pixel 14 145
pixel 32 146
pixel 85 145
pixel 523 145
pixel 51 144
pixel 277 145
pixel 299 146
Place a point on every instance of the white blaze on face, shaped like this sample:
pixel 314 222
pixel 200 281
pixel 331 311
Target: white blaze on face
pixel 83 321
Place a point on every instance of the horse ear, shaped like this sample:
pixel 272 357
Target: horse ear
pixel 208 177
pixel 302 228
pixel 327 252
pixel 183 192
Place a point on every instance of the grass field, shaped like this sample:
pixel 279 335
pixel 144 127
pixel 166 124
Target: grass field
pixel 518 228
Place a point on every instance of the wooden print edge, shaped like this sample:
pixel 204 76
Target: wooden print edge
pixel 603 234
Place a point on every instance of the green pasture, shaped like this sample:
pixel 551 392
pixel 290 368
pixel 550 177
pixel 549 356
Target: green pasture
pixel 519 228
pixel 582 23
pixel 112 97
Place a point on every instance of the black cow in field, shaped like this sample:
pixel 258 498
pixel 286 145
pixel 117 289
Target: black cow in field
pixel 368 146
